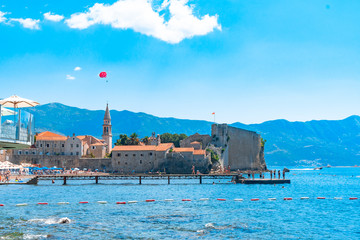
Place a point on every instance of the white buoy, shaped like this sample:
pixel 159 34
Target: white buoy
pixel 204 199
pixel 169 200
pixel 238 199
pixel 303 198
pixel 132 201
pixel 272 199
pixel 21 204
pixel 338 198
pixel 63 203
pixel 102 202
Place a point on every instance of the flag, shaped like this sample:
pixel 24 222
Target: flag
pixel 213 113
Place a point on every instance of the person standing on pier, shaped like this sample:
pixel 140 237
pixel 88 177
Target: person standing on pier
pixel 274 173
pixel 284 173
pixel 279 174
pixel 271 174
pixel 253 175
pixel 193 169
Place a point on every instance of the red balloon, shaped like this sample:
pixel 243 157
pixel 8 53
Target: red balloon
pixel 102 75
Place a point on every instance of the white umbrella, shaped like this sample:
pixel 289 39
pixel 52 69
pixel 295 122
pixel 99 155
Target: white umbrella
pixel 18 102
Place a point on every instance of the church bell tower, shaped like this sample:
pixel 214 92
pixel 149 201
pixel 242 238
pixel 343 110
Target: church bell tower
pixel 107 134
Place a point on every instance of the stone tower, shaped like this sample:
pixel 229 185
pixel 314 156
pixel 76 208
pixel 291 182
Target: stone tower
pixel 107 136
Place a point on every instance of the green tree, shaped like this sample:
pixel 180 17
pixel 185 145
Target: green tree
pixel 123 140
pixel 172 138
pixel 134 140
pixel 146 140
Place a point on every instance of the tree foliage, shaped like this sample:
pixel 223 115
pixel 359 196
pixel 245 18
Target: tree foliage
pixel 214 156
pixel 172 138
pixel 125 140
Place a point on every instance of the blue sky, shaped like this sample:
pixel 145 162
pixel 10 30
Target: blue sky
pixel 248 61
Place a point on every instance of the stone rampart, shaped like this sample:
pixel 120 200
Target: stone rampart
pixel 241 148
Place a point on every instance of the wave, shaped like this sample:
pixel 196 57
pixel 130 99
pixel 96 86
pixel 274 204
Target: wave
pixel 35 236
pixel 50 221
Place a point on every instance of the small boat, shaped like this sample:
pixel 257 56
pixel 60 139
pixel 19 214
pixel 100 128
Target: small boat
pixel 318 168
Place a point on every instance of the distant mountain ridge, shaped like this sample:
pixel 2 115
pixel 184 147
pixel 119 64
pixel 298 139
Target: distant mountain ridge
pixel 334 142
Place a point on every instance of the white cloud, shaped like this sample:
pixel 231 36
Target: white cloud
pixel 140 16
pixel 53 17
pixel 2 18
pixel 27 22
pixel 77 69
pixel 69 77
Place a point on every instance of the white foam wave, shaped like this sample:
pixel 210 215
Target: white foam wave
pixel 34 236
pixel 51 220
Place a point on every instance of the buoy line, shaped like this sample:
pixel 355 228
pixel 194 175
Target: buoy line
pixel 183 200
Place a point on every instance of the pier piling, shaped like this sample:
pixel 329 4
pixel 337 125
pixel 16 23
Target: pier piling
pixel 64 181
pixel 140 180
pixel 168 179
pixel 200 179
pixel 96 179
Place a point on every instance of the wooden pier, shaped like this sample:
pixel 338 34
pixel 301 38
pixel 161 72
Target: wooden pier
pixel 141 177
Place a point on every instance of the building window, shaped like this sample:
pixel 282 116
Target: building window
pixel 71 145
pixel 34 153
pixel 93 147
pixel 19 152
pixel 141 154
pixel 26 153
pixel 47 145
pixel 62 153
pixel 119 162
pixel 126 155
pixel 77 153
pixel 118 154
pixel 134 155
pixel 54 145
pixel 149 162
pixel 62 145
pixel 150 154
pixel 140 161
pixel 77 145
pixel 40 145
pixel 73 139
pixel 125 163
pixel 71 153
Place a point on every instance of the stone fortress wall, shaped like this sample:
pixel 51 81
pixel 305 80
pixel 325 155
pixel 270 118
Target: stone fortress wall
pixel 241 148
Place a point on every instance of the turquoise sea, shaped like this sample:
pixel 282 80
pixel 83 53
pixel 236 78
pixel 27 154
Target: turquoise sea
pixel 296 219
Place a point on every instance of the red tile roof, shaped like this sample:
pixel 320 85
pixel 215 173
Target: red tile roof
pixel 161 147
pixel 50 136
pixel 199 152
pixel 183 149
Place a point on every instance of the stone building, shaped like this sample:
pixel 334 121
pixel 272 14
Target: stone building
pixel 52 144
pixel 158 157
pixel 238 148
pixel 204 140
pixel 93 147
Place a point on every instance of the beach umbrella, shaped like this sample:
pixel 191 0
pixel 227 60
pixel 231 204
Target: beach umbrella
pixel 18 102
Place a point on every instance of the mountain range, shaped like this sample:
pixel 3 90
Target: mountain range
pixel 312 143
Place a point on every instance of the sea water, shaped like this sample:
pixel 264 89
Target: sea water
pixel 210 219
